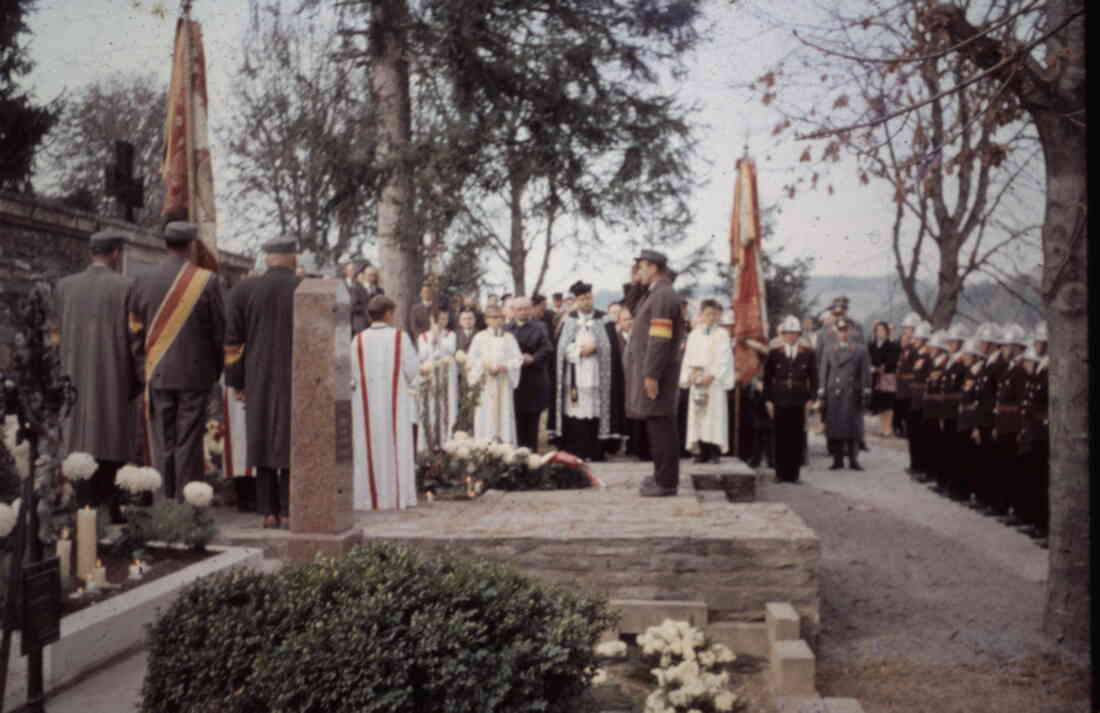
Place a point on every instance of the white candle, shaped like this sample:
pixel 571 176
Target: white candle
pixel 65 555
pixel 85 542
pixel 99 574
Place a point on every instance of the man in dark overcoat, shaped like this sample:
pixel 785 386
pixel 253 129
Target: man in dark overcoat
pixel 844 384
pixel 532 395
pixel 95 355
pixel 259 341
pixel 177 332
pixel 652 364
pixel 790 382
pixel 358 298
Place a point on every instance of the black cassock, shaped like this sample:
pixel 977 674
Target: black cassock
pixel 259 347
pixel 532 395
pixel 618 384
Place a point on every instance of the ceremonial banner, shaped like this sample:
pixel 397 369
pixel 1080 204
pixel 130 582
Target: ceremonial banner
pixel 187 169
pixel 749 306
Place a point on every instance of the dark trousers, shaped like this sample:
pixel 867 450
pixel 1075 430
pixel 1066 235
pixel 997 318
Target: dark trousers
pixel 638 443
pixel 179 424
pixel 581 437
pixel 839 447
pixel 986 475
pixel 789 426
pixel 682 418
pixel 273 491
pixel 914 426
pixel 901 408
pixel 100 488
pixel 664 446
pixel 527 429
pixel 1005 483
pixel 708 452
pixel 246 493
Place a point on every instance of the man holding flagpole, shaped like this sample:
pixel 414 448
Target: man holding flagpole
pixel 177 330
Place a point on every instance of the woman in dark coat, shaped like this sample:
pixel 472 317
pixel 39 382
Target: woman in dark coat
pixel 884 353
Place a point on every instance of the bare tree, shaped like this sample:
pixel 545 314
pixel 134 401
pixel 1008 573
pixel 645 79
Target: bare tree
pixel 1032 52
pixel 301 136
pixel 119 108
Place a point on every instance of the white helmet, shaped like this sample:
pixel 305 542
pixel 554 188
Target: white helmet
pixel 911 320
pixel 958 331
pixel 1014 334
pixel 970 346
pixel 938 340
pixel 1041 332
pixel 923 331
pixel 987 332
pixel 790 324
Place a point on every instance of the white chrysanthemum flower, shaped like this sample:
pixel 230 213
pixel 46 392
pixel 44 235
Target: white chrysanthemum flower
pixel 135 480
pixel 463 452
pixel 724 701
pixel 151 479
pixel 460 356
pixel 611 649
pixel 520 455
pixel 21 453
pixel 79 466
pixel 198 493
pixel 707 659
pixel 534 462
pixel 600 677
pixel 7 519
pixel 461 436
pixel 722 653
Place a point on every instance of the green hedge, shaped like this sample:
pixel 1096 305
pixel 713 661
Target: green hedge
pixel 384 629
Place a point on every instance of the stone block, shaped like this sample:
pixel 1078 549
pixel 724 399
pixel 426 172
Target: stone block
pixel 782 621
pixel 637 615
pixel 321 457
pixel 743 637
pixel 800 704
pixel 304 547
pixel 738 487
pixel 842 705
pixel 792 665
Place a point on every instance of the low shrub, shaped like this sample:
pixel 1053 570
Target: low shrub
pixel 383 630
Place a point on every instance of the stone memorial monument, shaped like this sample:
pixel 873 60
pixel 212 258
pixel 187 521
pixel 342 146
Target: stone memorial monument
pixel 321 455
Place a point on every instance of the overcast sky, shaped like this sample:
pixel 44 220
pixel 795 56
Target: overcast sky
pixel 78 41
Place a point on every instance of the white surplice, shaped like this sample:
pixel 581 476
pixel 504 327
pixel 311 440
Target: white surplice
pixel 587 369
pixel 386 370
pixel 235 438
pixel 495 415
pixel 436 349
pixel 711 350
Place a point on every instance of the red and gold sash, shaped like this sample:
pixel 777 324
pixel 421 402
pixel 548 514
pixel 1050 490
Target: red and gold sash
pixel 171 315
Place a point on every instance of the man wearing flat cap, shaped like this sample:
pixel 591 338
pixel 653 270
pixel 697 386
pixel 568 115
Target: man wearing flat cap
pixel 95 354
pixel 259 340
pixel 177 331
pixel 582 378
pixel 652 362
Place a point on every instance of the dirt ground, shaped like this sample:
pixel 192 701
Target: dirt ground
pixel 926 604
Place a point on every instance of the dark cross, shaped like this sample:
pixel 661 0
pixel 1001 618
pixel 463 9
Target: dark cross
pixel 127 189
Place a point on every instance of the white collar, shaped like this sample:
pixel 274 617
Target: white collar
pixel 378 325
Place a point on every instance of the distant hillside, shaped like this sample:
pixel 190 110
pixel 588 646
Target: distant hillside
pixel 881 297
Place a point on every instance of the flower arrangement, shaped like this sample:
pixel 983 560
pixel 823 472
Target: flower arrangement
pixel 135 480
pixel 688 672
pixel 475 465
pixel 198 493
pixel 79 466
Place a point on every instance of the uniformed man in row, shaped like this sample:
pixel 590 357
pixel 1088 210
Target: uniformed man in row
pixel 177 333
pixel 95 354
pixel 258 366
pixel 1034 445
pixel 790 384
pixel 914 374
pixel 652 364
pixel 945 447
pixel 906 359
pixel 1008 422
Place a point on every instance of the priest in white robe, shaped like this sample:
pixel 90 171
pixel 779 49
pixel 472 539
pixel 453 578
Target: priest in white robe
pixel 707 371
pixel 494 361
pixel 386 371
pixel 583 384
pixel 437 401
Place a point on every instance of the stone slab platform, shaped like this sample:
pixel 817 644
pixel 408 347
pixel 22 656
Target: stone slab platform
pixel 735 557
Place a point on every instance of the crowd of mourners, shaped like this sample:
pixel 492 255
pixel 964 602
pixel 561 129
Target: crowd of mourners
pixel 648 378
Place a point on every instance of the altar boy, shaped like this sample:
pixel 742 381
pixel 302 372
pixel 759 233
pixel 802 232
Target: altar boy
pixel 386 370
pixel 494 361
pixel 707 371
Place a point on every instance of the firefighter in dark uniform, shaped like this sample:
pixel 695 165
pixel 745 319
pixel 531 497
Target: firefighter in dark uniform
pixel 951 394
pixel 1033 504
pixel 932 409
pixel 906 358
pixel 972 357
pixel 907 362
pixel 790 382
pixel 1007 424
pixel 986 383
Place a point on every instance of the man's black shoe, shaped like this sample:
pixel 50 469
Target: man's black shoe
pixel 650 489
pixel 863 446
pixel 836 466
pixel 855 465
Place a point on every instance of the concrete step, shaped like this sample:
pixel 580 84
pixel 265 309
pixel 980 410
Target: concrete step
pixel 793 668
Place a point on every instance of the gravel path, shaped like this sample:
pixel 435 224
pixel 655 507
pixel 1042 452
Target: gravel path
pixel 916 586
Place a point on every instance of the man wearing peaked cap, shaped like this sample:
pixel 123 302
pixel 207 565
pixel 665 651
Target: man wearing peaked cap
pixel 790 383
pixel 177 328
pixel 844 384
pixel 258 357
pixel 916 381
pixel 652 363
pixel 95 353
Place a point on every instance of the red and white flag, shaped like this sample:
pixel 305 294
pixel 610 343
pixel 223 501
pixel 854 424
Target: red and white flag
pixel 749 307
pixel 187 169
